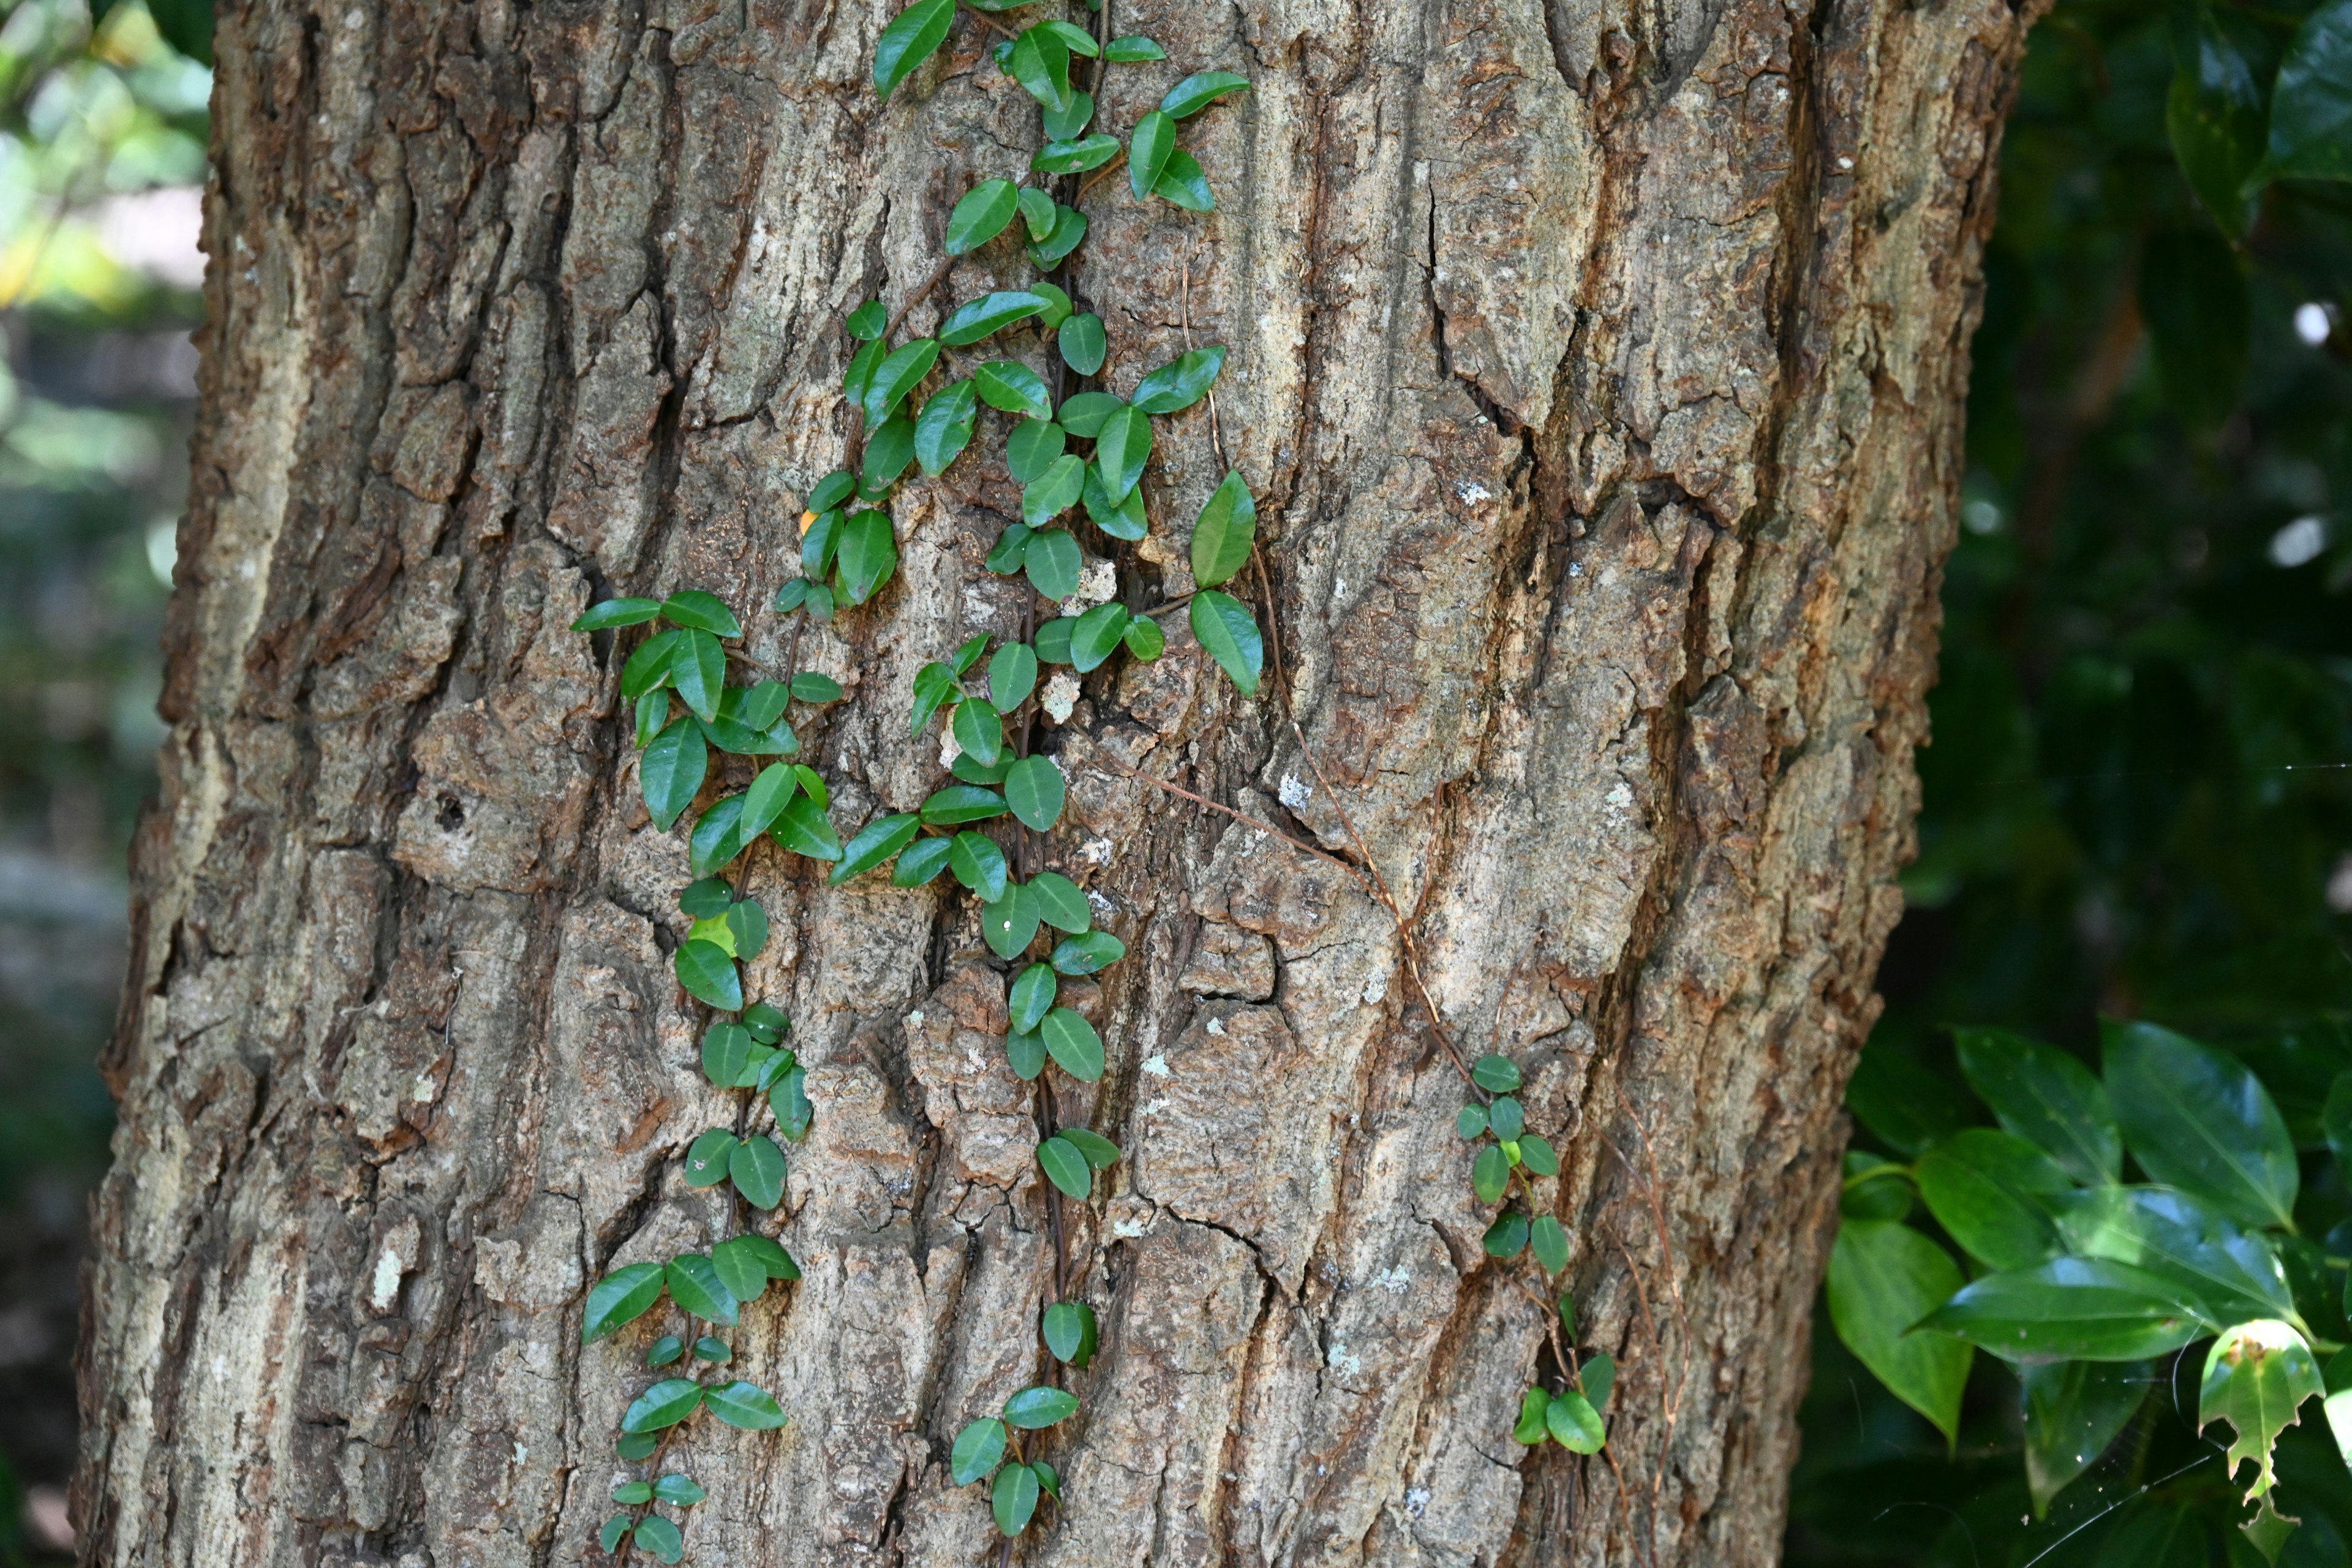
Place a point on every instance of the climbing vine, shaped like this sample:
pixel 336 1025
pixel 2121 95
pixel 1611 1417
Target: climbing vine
pixel 1076 449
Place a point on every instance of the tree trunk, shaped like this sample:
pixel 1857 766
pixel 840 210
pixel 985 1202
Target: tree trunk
pixel 1599 374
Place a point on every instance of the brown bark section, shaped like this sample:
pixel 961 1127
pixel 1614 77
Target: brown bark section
pixel 1598 369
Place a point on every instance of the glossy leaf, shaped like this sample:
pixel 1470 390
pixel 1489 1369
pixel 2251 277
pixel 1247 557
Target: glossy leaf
pixel 1148 146
pixel 1070 1332
pixel 1074 156
pixel 1225 531
pixel 1065 1167
pixel 1046 497
pixel 1083 412
pixel 1052 640
pixel 979 217
pixel 1039 62
pixel 1144 638
pixel 679 1490
pixel 1573 1424
pixel 2214 113
pixel 943 429
pixel 1060 904
pixel 619 1299
pixel 1195 93
pixel 2085 1309
pixel 741 1269
pixel 697 668
pixel 977 1450
pixel 1035 1408
pixel 979 864
pixel 1507 1236
pixel 875 843
pixel 1014 388
pixel 1550 1242
pixel 670 773
pixel 757 1169
pixel 2040 1094
pixel 1031 449
pixel 960 804
pixel 1009 924
pixel 2311 101
pixel 726 1052
pixel 1031 995
pixel 1037 212
pixel 1883 1279
pixel 746 1405
pixel 2074 1410
pixel 788 1099
pixel 898 373
pixel 1183 184
pixel 869 553
pixel 805 830
pixel 1098 635
pixel 2228 1275
pixel 1053 559
pixel 1089 953
pixel 1011 675
pixel 1530 1428
pixel 704 612
pixel 660 1537
pixel 1133 49
pixel 1490 1173
pixel 706 1158
pixel 1100 1152
pixel 716 839
pixel 1069 231
pixel 911 39
pixel 991 314
pixel 665 1404
pixel 1997 1195
pixel 1082 343
pixel 2197 1120
pixel 1224 627
pixel 1495 1074
pixel 1035 789
pixel 1122 447
pixel 694 1284
pixel 617 613
pixel 709 975
pixel 1181 382
pixel 1073 1044
pixel 1012 1498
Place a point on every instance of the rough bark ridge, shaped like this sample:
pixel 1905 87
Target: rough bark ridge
pixel 1599 367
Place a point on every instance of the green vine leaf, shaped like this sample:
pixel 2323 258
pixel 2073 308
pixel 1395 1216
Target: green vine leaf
pixel 617 613
pixel 1072 157
pixel 888 451
pixel 706 1158
pixel 1089 953
pixel 1059 902
pixel 957 804
pixel 1147 147
pixel 1031 996
pixel 1009 924
pixel 1222 626
pixel 2040 1094
pixel 746 1405
pixel 649 669
pixel 1182 381
pixel 670 774
pixel 1082 346
pixel 1537 1156
pixel 1133 49
pixel 804 830
pixel 709 975
pixel 1183 184
pixel 726 1052
pixel 978 219
pixel 704 612
pixel 1573 1424
pixel 1099 1151
pixel 898 373
pixel 1035 1408
pixel 1507 1236
pixel 992 313
pixel 1013 1498
pixel 1069 231
pixel 1011 675
pixel 1098 635
pixel 757 1168
pixel 679 1490
pixel 1014 388
pixel 1195 93
pixel 2070 1309
pixel 912 37
pixel 1550 1242
pixel 1073 1044
pixel 694 1284
pixel 1032 448
pixel 697 668
pixel 875 843
pixel 661 1538
pixel 977 1450
pixel 1045 498
pixel 1083 412
pixel 664 1404
pixel 869 553
pixel 1144 638
pixel 2199 1120
pixel 978 730
pixel 943 429
pixel 1225 531
pixel 1122 446
pixel 1052 557
pixel 1065 1168
pixel 1037 212
pixel 979 864
pixel 1035 789
pixel 619 1299
pixel 714 842
pixel 1039 62
pixel 1070 1332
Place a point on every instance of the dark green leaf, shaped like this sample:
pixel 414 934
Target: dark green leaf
pixel 652 715
pixel 1098 635
pixel 1122 446
pixel 1070 1332
pixel 717 839
pixel 704 612
pixel 2311 101
pixel 1496 1075
pixel 1599 1376
pixel 1906 1105
pixel 1508 1118
pixel 705 898
pixel 1073 1044
pixel 649 667
pixel 2215 113
pixel 977 1450
pixel 1083 412
pixel 1065 1168
pixel 1031 449
pixel 1549 1242
pixel 1184 183
pixel 769 793
pixel 1573 1424
pixel 1099 1151
pixel 1470 1121
pixel 665 1404
pixel 910 38
pixel 808 686
pixel 1082 346
pixel 935 684
pixel 2072 1411
pixel 869 553
pixel 963 767
pixel 1883 1279
pixel 1068 233
pixel 1536 1156
pixel 1014 388
pixel 898 373
pixel 746 1405
pixel 1052 640
pixel 1034 1408
pixel 2228 1275
pixel 1027 1054
pixel 1011 675
pixel 818 543
pixel 944 427
pixel 1074 156
pixel 860 373
pixel 617 613
pixel 694 1284
pixel 1507 1236
pixel 979 864
pixel 1225 531
pixel 1144 638
pixel 978 219
pixel 805 830
pixel 864 324
pixel 1181 382
pixel 1195 93
pixel 726 1052
pixel 1874 1188
pixel 709 975
pixel 1039 62
pixel 788 1099
pixel 2042 1095
pixel 756 707
pixel 616 1527
pixel 1037 212
pixel 698 669
pixel 888 452
pixel 706 1158
pixel 1074 38
pixel 2082 1309
pixel 636 1445
pixel 1013 1498
pixel 1998 1197
pixel 1010 548
pixel 978 730
pixel 1133 49
pixel 1045 498
pixel 1059 902
pixel 1034 788
pixel 985 317
pixel 1032 995
pixel 1057 305
pixel 1053 559
pixel 743 1274
pixel 1147 147
pixel 766 1022
pixel 961 804
pixel 875 843
pixel 664 1350
pixel 1009 924
pixel 757 1167
pixel 1490 1173
pixel 619 1299
pixel 1089 953
pixel 678 1490
pixel 924 859
pixel 1224 627
pixel 661 1538
pixel 2197 1120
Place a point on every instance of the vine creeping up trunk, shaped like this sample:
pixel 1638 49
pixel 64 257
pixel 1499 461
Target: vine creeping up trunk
pixel 1593 373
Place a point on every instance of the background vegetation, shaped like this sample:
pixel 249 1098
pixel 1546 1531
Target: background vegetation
pixel 2138 803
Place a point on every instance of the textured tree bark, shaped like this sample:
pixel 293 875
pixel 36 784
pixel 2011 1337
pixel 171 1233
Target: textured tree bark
pixel 1599 372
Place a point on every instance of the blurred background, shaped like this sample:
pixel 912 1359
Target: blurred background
pixel 2139 802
